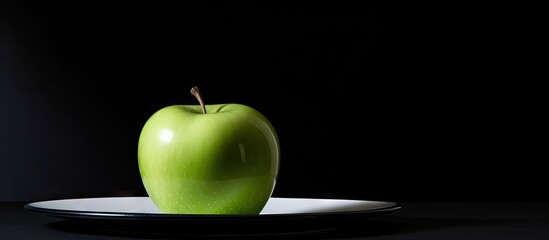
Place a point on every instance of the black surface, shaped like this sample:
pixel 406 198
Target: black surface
pixel 436 220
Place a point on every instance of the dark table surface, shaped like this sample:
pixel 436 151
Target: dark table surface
pixel 436 220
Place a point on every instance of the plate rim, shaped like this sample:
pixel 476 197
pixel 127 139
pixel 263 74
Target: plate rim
pixel 107 215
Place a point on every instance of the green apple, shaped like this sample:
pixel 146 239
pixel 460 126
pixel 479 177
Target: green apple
pixel 208 159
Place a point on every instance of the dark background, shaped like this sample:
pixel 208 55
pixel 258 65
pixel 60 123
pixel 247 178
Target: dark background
pixel 398 103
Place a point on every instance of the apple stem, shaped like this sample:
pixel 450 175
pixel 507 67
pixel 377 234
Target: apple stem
pixel 196 94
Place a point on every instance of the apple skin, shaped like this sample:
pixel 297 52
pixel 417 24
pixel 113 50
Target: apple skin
pixel 225 161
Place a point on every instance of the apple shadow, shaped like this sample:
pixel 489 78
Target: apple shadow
pixel 381 226
pixel 182 232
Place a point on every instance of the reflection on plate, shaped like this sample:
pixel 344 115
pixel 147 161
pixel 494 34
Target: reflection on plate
pixel 280 217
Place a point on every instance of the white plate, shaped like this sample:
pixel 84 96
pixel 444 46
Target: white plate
pixel 280 216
